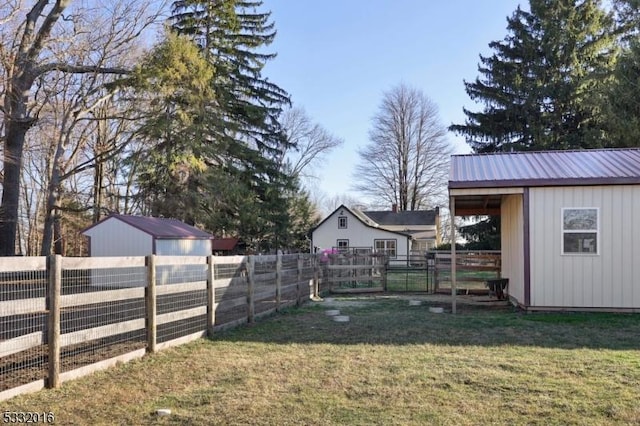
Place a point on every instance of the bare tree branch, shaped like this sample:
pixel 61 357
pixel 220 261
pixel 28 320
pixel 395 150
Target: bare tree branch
pixel 312 142
pixel 406 160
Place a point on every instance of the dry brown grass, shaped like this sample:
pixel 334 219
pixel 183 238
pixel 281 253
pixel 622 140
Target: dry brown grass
pixel 392 364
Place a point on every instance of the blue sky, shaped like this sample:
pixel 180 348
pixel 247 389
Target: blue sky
pixel 337 57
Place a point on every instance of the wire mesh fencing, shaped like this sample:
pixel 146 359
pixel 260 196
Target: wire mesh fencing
pixel 62 317
pixel 23 321
pixel 102 309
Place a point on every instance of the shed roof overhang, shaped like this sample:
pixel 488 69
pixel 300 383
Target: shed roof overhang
pixel 480 201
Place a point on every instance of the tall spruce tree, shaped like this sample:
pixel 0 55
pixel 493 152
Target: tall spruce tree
pixel 539 88
pixel 248 138
pixel 622 102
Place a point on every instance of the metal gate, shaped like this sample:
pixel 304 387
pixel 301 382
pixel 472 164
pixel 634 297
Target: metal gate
pixel 413 273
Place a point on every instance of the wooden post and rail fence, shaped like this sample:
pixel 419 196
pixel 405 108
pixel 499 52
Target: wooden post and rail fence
pixel 83 305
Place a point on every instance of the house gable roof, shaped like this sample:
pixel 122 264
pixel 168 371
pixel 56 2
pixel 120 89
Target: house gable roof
pixel 546 168
pixel 381 219
pixel 158 227
pixel 366 221
pixel 404 218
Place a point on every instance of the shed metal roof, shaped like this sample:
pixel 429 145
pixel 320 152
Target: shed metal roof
pixel 158 227
pixel 546 168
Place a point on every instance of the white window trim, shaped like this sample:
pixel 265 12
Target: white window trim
pixel 342 240
pixel 346 222
pixel 385 245
pixel 579 231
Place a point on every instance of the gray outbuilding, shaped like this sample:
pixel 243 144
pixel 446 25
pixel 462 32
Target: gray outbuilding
pixel 125 235
pixel 570 223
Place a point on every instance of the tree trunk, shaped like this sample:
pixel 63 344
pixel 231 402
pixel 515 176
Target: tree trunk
pixel 13 150
pixel 51 210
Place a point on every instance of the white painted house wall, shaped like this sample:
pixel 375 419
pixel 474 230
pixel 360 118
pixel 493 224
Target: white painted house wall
pixel 326 235
pixel 608 279
pixel 116 238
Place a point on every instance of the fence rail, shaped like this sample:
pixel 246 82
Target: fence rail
pixel 62 317
pixel 473 269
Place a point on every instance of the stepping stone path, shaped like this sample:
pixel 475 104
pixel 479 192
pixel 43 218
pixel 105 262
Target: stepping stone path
pixel 332 312
pixel 436 310
pixel 341 318
pixel 415 302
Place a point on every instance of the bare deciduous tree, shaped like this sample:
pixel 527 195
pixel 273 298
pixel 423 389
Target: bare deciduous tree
pixel 407 158
pixel 36 47
pixel 312 143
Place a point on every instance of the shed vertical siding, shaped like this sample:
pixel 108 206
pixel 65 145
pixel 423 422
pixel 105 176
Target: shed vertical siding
pixel 512 244
pixel 183 247
pixel 116 238
pixel 609 279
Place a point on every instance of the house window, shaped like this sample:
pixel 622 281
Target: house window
pixel 386 246
pixel 343 245
pixel 342 222
pixel 580 230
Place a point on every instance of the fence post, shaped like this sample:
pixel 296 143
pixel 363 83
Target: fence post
pixel 435 272
pixel 299 279
pixel 316 277
pixel 150 298
pixel 211 295
pixel 385 265
pixel 251 311
pixel 53 331
pixel 278 280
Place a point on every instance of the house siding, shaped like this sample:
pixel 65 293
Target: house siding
pixel 609 279
pixel 512 243
pixel 116 238
pixel 326 235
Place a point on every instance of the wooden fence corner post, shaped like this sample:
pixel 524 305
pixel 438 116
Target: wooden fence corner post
pixel 211 295
pixel 278 281
pixel 151 305
pixel 53 330
pixel 251 309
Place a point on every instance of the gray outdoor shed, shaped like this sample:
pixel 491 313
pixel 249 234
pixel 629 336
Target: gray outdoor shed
pixel 570 223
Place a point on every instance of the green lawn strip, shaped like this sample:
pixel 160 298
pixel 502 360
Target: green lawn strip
pixel 391 364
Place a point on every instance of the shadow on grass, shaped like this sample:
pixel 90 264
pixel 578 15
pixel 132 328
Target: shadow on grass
pixel 389 321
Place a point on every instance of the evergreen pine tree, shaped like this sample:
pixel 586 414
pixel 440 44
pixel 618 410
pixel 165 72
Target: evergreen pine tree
pixel 540 86
pixel 248 137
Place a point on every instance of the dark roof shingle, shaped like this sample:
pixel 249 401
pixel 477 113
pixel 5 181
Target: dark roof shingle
pixel 390 218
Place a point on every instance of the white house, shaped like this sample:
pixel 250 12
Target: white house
pixel 396 233
pixel 570 223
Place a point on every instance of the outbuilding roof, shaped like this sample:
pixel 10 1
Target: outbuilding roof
pixel 158 227
pixel 223 244
pixel 546 168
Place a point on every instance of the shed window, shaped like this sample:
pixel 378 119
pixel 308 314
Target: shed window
pixel 386 246
pixel 580 230
pixel 343 245
pixel 342 222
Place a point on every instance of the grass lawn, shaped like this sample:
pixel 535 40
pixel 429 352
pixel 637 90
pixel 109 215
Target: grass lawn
pixel 391 364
